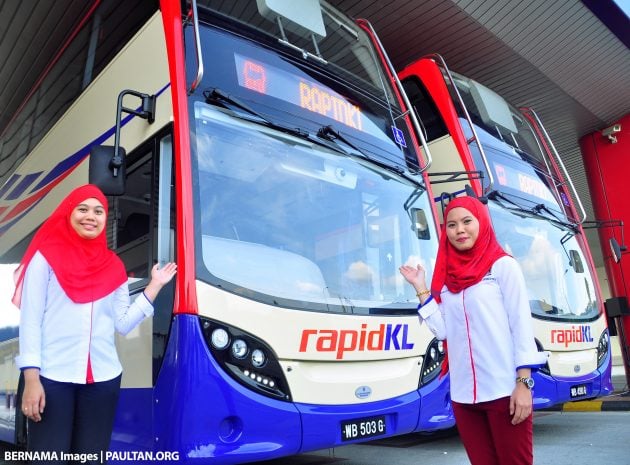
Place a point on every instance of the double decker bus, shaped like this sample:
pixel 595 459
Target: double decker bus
pixel 267 153
pixel 480 142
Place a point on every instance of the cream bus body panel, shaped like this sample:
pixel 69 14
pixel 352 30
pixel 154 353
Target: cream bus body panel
pixel 445 160
pixel 135 354
pixel 311 376
pixel 142 66
pixel 328 383
pixel 568 357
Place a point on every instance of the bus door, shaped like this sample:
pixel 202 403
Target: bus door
pixel 141 231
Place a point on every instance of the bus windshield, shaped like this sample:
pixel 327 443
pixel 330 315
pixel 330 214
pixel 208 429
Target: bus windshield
pixel 559 283
pixel 346 89
pixel 340 45
pixel 293 223
pixel 308 189
pixel 494 115
pixel 514 151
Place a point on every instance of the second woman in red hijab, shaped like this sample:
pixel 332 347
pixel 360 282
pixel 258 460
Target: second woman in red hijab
pixel 478 303
pixel 73 296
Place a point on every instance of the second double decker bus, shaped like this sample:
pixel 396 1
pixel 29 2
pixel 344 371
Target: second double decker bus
pixel 504 153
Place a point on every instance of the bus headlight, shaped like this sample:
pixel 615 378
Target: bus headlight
pixel 260 371
pixel 602 347
pixel 258 358
pixel 239 348
pixel 220 338
pixel 432 363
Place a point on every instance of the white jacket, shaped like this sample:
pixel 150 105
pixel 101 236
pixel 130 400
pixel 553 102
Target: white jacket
pixel 57 334
pixel 488 327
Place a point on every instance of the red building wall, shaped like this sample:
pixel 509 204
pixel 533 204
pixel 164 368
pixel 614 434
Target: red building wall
pixel 607 166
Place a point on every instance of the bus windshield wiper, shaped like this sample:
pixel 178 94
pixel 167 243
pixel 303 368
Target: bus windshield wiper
pixel 500 198
pixel 541 207
pixel 216 95
pixel 327 136
pixel 330 134
pixel 496 195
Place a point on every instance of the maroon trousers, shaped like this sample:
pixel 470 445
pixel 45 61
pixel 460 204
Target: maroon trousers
pixel 490 438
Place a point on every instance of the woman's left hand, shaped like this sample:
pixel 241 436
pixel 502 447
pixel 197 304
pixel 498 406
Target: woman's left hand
pixel 164 274
pixel 520 403
pixel 159 277
pixel 415 275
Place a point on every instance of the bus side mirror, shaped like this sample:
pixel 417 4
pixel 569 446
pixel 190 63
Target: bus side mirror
pixel 616 249
pixel 419 223
pixel 107 167
pixel 576 261
pixel 102 169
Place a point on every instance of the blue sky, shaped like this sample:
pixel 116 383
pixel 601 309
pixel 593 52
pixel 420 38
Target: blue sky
pixel 624 5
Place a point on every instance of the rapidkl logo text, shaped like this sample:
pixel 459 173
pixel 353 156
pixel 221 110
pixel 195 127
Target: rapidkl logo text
pixel 580 333
pixel 386 337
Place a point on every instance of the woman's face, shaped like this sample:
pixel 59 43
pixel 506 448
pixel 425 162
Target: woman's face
pixel 462 228
pixel 88 218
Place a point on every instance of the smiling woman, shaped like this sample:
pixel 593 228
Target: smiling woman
pixel 478 294
pixel 88 218
pixel 462 229
pixel 75 296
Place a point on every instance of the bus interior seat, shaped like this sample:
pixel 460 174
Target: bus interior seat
pixel 136 226
pixel 264 269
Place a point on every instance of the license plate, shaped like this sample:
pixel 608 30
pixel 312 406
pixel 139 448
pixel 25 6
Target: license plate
pixel 363 428
pixel 579 390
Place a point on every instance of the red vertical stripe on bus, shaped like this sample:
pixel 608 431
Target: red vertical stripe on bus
pixel 428 72
pixel 185 291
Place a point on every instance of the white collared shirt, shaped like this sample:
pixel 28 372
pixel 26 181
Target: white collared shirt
pixel 57 334
pixel 489 330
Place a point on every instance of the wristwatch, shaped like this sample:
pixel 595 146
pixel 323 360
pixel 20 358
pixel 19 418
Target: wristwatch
pixel 529 382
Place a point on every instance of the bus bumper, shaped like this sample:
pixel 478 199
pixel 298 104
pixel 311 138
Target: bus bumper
pixel 550 390
pixel 327 426
pixel 436 412
pixel 205 416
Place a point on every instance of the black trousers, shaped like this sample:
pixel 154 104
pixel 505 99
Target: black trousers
pixel 77 419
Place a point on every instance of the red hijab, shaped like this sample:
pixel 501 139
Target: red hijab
pixel 461 269
pixel 85 268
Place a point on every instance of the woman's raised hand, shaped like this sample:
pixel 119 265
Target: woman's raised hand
pixel 164 274
pixel 416 276
pixel 159 277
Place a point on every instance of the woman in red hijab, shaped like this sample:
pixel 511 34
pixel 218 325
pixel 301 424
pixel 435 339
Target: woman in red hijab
pixel 73 296
pixel 478 302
